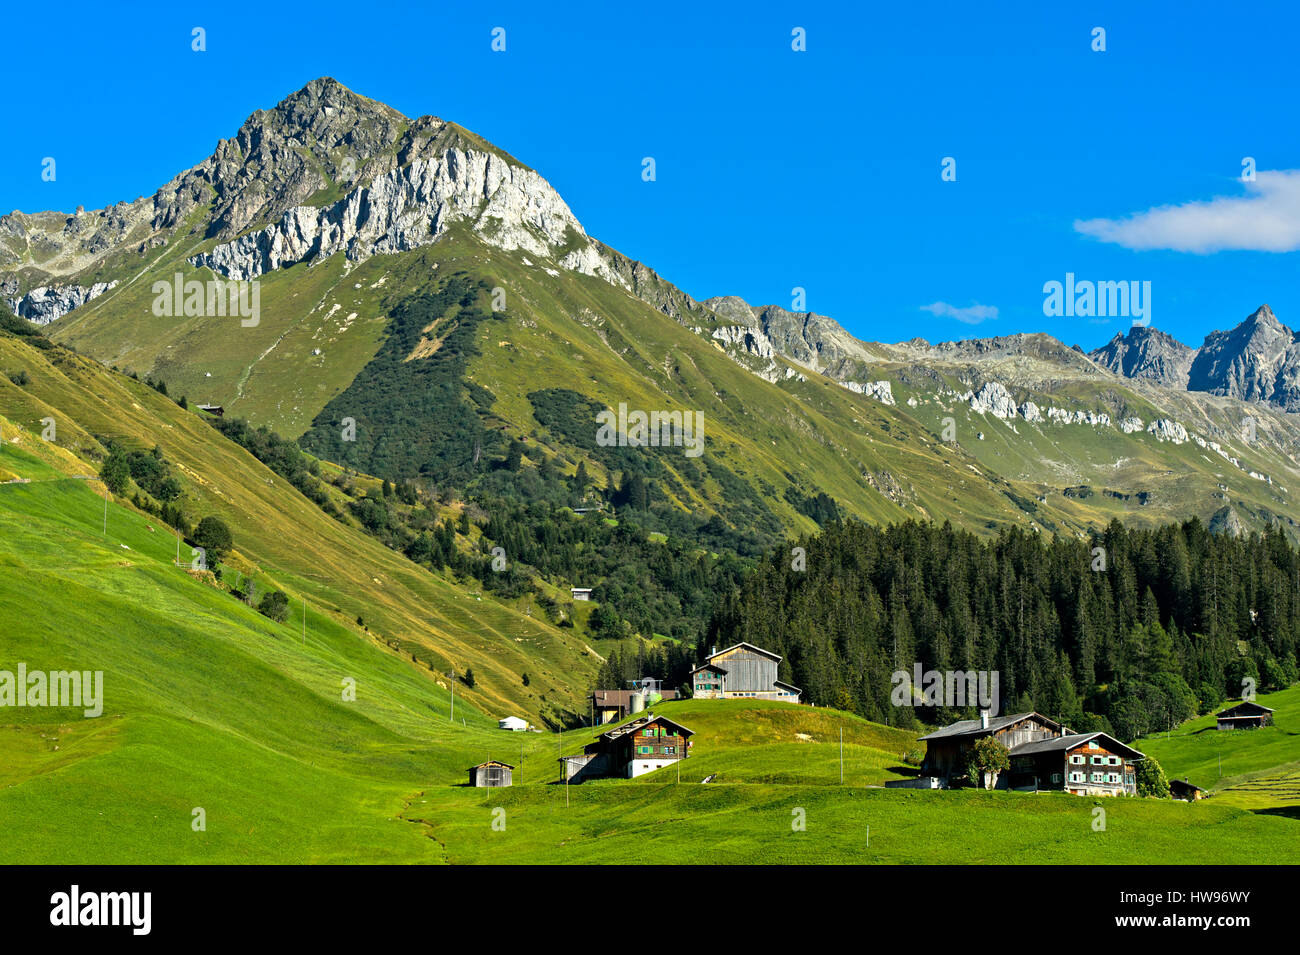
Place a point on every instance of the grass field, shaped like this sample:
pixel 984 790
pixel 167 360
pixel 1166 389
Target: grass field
pixel 211 706
pixel 1254 769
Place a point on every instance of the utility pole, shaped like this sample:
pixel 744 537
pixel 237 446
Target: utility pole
pixel 841 755
pixel 105 508
pixel 452 676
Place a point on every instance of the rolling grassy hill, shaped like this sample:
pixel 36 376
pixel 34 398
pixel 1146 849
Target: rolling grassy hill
pixel 775 764
pixel 1254 769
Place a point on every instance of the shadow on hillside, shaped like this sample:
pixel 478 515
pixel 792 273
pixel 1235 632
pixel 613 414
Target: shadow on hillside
pixel 1289 812
pixel 911 771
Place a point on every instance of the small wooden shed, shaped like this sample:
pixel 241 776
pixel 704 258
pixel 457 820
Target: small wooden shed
pixel 491 774
pixel 1243 716
pixel 1182 789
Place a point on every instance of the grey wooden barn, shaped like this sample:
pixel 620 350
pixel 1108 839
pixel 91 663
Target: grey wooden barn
pixel 492 773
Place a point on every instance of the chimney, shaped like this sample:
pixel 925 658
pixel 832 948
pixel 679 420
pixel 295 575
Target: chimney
pixel 984 719
pixel 713 650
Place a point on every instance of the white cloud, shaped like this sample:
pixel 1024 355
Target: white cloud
pixel 971 314
pixel 1266 219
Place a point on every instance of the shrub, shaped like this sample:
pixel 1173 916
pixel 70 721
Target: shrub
pixel 275 605
pixel 214 536
pixel 1151 779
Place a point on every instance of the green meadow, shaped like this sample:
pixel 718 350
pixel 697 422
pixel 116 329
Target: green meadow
pixel 210 706
pixel 1257 769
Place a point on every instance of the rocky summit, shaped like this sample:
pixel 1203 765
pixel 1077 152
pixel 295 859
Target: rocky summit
pixel 366 230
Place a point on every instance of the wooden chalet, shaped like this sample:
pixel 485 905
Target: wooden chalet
pixel 1245 716
pixel 1182 789
pixel 1085 764
pixel 743 671
pixel 1045 755
pixel 640 746
pixel 493 773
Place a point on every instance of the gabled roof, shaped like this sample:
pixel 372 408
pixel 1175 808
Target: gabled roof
pixel 736 646
pixel 977 728
pixel 1245 704
pixel 1067 743
pixel 642 721
pixel 709 666
pixel 492 762
pixel 786 686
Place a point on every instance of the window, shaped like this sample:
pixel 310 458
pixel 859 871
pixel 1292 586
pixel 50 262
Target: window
pixel 670 750
pixel 1056 777
pixel 648 732
pixel 645 750
pixel 1114 760
pixel 1097 777
pixel 1098 760
pixel 1112 777
pixel 1076 759
pixel 1076 777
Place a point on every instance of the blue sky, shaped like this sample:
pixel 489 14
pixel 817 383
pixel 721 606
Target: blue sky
pixel 775 169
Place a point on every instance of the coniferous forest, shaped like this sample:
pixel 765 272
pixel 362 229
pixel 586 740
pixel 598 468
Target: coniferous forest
pixel 1129 632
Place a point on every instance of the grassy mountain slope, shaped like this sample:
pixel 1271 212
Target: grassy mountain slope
pixel 574 332
pixel 1256 769
pixel 289 542
pixel 581 317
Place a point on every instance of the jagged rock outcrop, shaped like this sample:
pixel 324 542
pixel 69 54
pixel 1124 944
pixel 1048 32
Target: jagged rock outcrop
pixel 1226 521
pixel 882 391
pixel 1166 430
pixel 994 399
pixel 43 305
pixel 508 206
pixel 1149 354
pixel 812 341
pixel 752 340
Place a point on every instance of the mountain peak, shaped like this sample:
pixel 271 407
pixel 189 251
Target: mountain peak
pixel 1263 316
pixel 1147 353
pixel 326 103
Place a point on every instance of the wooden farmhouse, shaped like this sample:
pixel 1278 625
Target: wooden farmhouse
pixel 493 773
pixel 743 671
pixel 1245 716
pixel 641 746
pixel 1044 756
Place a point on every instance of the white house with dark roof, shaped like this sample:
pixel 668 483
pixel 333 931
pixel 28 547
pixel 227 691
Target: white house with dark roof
pixel 742 671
